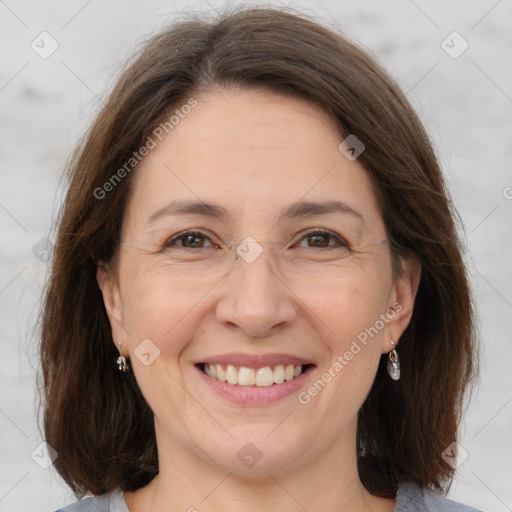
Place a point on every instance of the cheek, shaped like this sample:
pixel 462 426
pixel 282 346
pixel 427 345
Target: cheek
pixel 345 316
pixel 346 308
pixel 161 308
pixel 351 327
pixel 158 309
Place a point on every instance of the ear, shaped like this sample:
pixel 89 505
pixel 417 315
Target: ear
pixel 113 304
pixel 402 302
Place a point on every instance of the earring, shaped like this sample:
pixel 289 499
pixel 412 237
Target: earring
pixel 122 363
pixel 393 364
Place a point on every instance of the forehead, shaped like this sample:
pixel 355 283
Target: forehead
pixel 251 152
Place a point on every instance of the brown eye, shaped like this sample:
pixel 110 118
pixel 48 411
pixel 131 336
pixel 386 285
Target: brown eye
pixel 193 241
pixel 322 240
pixel 189 240
pixel 318 240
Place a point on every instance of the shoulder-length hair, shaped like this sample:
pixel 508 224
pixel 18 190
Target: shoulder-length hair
pixel 95 418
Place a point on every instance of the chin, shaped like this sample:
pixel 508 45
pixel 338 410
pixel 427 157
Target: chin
pixel 258 453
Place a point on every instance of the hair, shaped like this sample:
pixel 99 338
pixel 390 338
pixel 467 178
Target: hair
pixel 95 417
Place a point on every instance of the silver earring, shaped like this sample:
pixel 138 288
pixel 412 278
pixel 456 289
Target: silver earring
pixel 393 364
pixel 122 363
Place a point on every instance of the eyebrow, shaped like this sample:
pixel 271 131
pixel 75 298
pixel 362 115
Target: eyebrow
pixel 309 209
pixel 293 211
pixel 189 208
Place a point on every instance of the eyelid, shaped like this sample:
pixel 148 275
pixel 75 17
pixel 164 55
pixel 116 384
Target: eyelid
pixel 179 236
pixel 321 231
pixel 312 231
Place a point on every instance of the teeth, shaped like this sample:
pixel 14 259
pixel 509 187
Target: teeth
pixel 231 374
pixel 246 376
pixel 265 376
pixel 221 374
pixel 262 377
pixel 279 374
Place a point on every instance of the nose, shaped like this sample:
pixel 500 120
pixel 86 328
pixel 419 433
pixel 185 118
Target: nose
pixel 255 299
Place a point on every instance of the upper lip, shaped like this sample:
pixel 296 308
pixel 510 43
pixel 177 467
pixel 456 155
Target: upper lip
pixel 255 361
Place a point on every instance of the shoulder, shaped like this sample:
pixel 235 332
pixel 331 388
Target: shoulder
pixel 410 497
pixel 109 502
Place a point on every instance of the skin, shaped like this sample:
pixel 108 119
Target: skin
pixel 254 152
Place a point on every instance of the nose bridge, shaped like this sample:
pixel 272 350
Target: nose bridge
pixel 255 260
pixel 255 299
pixel 258 264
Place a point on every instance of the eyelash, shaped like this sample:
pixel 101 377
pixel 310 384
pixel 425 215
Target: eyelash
pixel 341 242
pixel 184 235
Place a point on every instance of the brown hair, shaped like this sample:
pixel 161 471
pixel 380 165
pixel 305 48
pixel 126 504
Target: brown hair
pixel 95 417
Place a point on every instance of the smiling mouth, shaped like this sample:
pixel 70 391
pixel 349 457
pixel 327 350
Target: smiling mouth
pixel 265 376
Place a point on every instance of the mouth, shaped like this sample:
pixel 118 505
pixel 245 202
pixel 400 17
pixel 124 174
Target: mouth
pixel 254 380
pixel 264 376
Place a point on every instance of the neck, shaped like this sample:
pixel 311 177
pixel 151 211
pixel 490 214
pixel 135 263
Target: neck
pixel 190 483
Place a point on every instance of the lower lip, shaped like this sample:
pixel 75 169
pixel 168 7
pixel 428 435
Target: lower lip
pixel 255 395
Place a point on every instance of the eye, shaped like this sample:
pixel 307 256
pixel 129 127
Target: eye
pixel 189 240
pixel 320 239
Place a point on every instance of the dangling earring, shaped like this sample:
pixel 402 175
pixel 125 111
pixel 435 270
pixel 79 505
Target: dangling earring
pixel 393 364
pixel 122 364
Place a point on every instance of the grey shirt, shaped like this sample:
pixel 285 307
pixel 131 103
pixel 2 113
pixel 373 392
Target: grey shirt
pixel 409 498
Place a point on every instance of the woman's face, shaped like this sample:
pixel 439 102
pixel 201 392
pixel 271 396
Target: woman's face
pixel 310 294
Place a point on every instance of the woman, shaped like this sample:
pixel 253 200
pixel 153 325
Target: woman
pixel 257 298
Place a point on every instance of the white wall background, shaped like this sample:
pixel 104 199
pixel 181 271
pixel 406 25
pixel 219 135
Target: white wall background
pixel 466 103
